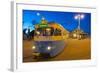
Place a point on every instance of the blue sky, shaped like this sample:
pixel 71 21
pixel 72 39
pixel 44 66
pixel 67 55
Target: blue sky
pixel 66 19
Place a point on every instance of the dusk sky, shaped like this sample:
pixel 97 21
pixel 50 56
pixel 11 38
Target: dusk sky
pixel 66 19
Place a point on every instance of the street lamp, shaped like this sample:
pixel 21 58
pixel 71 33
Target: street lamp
pixel 79 17
pixel 38 14
pixel 43 18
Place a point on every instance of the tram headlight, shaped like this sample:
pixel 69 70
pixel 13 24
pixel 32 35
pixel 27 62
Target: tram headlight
pixel 33 47
pixel 49 48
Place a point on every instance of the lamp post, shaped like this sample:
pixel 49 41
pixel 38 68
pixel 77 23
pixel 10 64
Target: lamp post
pixel 79 17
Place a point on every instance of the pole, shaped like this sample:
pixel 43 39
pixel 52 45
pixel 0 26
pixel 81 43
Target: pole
pixel 79 21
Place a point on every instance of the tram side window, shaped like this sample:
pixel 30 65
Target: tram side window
pixel 57 32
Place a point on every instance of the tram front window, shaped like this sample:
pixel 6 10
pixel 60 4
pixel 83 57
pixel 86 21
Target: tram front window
pixel 48 32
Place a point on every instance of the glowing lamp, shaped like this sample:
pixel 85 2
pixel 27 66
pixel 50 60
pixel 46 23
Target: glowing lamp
pixel 48 48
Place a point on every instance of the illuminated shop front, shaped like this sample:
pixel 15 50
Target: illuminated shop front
pixel 78 34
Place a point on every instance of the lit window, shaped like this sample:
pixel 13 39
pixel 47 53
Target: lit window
pixel 74 35
pixel 48 29
pixel 38 32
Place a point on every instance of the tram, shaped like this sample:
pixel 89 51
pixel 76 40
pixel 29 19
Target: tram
pixel 49 39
